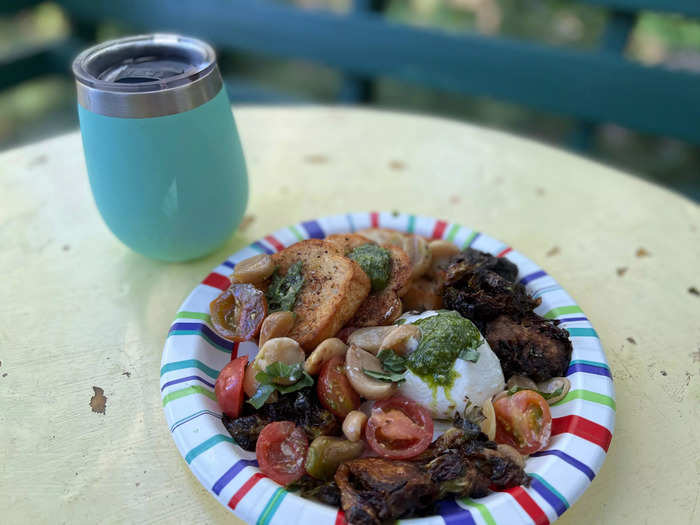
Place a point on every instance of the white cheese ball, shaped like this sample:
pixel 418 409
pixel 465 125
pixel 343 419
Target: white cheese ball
pixel 475 382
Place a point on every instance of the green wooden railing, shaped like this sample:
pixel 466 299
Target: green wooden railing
pixel 594 86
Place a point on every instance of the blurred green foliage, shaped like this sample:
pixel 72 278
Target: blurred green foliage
pixel 46 106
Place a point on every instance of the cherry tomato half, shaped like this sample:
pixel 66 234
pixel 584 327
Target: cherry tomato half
pixel 229 386
pixel 334 389
pixel 523 421
pixel 399 428
pixel 281 451
pixel 238 312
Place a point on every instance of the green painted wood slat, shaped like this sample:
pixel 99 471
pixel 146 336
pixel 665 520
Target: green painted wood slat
pixel 51 57
pixel 684 7
pixel 10 7
pixel 581 84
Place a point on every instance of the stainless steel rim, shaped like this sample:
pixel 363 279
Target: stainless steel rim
pixel 197 84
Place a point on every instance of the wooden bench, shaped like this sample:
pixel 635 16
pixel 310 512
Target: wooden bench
pixel 594 87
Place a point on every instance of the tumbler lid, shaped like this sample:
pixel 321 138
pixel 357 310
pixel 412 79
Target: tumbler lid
pixel 146 76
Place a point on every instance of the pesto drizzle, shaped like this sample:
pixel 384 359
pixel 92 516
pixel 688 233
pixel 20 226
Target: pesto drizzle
pixel 443 338
pixel 375 261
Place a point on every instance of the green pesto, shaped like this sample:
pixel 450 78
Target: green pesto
pixel 375 261
pixel 443 337
pixel 283 290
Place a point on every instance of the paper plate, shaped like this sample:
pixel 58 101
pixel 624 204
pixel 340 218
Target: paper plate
pixel 582 423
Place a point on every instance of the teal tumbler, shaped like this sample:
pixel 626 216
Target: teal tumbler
pixel 163 155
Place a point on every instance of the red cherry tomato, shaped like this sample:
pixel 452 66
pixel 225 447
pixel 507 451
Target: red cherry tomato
pixel 334 389
pixel 399 428
pixel 281 451
pixel 238 312
pixel 229 386
pixel 523 421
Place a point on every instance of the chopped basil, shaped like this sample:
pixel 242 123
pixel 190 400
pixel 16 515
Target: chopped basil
pixel 305 381
pixel 283 290
pixel 279 370
pixel 469 354
pixel 261 395
pixel 387 377
pixel 273 373
pixel 392 361
pixel 545 395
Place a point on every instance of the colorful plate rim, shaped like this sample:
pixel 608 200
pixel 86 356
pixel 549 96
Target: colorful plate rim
pixel 582 426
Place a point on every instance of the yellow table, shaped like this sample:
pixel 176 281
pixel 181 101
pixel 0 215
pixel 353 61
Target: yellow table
pixel 79 310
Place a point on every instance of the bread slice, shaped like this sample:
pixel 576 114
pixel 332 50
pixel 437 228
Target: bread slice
pixel 347 242
pixel 384 307
pixel 334 287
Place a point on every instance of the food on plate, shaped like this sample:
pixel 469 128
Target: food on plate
pixel 253 270
pixel 277 324
pixel 354 425
pixel 281 451
pixel 229 387
pixel 347 242
pixel 553 390
pixel 332 289
pixel 346 391
pixel 377 490
pixel 423 294
pixel 441 253
pixel 482 288
pixel 530 346
pixel 384 306
pixel 374 260
pixel 369 338
pixel 403 339
pixel 326 453
pixel 366 374
pixel 334 390
pixel 453 364
pixel 302 408
pixel 399 428
pixel 415 247
pixel 470 464
pixel 238 312
pixel 389 270
pixel 325 351
pixel 523 420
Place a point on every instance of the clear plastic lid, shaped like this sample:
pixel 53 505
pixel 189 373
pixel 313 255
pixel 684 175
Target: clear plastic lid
pixel 144 63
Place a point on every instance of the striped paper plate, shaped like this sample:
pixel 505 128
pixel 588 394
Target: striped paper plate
pixel 582 423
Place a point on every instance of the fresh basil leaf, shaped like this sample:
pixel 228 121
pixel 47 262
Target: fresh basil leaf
pixel 392 361
pixel 306 380
pixel 469 354
pixel 283 290
pixel 270 380
pixel 545 395
pixel 387 377
pixel 279 370
pixel 261 395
